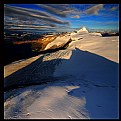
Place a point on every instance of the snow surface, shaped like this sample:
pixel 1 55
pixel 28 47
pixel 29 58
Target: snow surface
pixel 82 82
pixel 58 41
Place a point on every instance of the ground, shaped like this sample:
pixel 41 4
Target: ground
pixel 80 82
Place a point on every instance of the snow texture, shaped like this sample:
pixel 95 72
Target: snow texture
pixel 80 82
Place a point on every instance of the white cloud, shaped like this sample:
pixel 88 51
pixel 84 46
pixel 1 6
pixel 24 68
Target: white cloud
pixel 94 10
pixel 114 8
pixel 76 16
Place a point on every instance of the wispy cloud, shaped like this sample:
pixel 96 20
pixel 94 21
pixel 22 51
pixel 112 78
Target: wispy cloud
pixel 61 10
pixel 57 17
pixel 27 17
pixel 114 8
pixel 94 10
pixel 34 26
pixel 76 16
pixel 32 13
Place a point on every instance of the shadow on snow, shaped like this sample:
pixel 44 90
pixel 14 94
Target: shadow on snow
pixel 99 78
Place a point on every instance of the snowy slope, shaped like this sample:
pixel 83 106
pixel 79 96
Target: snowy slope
pixel 77 83
pixel 60 40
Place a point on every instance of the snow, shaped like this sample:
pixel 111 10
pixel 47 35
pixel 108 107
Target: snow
pixel 103 46
pixel 82 82
pixel 13 67
pixel 98 77
pixel 83 29
pixel 60 40
pixel 54 104
pixel 96 33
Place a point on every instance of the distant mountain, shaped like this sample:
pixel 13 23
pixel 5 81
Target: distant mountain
pixel 83 29
pixel 106 34
pixel 96 34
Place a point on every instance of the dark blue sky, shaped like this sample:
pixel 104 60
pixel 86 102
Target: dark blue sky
pixel 61 17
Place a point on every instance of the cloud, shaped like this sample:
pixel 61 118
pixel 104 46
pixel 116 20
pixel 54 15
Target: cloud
pixel 52 10
pixel 29 18
pixel 34 26
pixel 94 10
pixel 32 13
pixel 62 10
pixel 76 16
pixel 55 16
pixel 24 27
pixel 50 15
pixel 114 8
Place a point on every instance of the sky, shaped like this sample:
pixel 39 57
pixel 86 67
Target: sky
pixel 61 17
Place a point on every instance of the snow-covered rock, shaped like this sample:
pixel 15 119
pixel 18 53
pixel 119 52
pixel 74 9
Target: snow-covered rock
pixel 83 29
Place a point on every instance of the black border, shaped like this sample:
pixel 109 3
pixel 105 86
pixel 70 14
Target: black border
pixel 38 2
pixel 62 1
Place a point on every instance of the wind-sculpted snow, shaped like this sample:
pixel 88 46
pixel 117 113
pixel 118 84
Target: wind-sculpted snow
pixel 80 82
pixel 58 96
pixel 46 101
pixel 39 71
